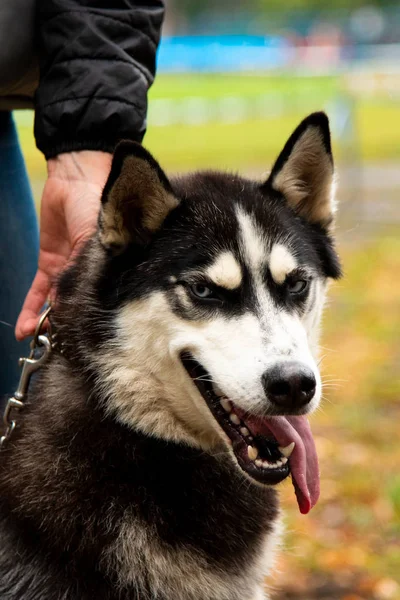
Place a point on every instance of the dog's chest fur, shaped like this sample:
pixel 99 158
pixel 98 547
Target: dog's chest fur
pixel 116 514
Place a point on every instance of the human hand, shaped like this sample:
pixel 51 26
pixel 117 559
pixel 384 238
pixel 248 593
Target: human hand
pixel 69 212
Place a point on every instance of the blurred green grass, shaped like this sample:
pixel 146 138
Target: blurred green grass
pixel 353 535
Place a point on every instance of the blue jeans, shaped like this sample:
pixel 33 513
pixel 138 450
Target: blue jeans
pixel 19 247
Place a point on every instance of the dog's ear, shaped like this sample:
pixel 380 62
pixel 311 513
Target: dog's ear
pixel 304 171
pixel 136 198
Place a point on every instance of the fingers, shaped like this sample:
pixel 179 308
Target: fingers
pixel 66 221
pixel 33 304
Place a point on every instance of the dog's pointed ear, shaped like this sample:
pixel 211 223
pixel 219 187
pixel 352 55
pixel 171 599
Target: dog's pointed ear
pixel 304 172
pixel 136 198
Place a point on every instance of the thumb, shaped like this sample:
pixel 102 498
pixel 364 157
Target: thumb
pixel 33 304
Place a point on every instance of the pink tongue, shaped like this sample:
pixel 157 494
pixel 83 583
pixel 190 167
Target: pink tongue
pixel 303 461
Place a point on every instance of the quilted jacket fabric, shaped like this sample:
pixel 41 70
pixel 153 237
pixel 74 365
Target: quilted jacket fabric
pixel 96 63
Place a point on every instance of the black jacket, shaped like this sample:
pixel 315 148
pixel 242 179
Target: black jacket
pixel 97 61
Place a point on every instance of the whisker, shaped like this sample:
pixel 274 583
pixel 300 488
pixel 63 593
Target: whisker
pixel 203 378
pixel 328 349
pixel 332 386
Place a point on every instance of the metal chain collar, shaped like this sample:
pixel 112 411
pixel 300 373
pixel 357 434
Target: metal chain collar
pixel 29 366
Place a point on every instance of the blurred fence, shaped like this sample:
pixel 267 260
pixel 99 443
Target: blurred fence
pixel 351 82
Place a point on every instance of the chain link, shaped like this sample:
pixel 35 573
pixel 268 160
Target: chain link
pixel 29 365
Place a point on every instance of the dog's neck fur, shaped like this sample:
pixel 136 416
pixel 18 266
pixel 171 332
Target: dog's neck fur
pixel 81 485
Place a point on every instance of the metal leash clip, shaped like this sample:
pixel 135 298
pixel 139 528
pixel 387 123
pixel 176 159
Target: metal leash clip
pixel 29 366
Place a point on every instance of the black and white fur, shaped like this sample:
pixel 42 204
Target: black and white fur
pixel 119 482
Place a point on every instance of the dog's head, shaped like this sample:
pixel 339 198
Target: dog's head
pixel 208 293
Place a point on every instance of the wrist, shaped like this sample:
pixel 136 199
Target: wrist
pixel 92 166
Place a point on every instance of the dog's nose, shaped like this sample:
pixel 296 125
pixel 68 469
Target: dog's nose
pixel 289 385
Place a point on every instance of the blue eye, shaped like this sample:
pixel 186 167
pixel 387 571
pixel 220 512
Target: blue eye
pixel 201 291
pixel 297 286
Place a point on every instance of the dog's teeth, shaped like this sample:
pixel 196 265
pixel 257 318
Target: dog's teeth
pixel 252 452
pixel 266 464
pixel 234 418
pixel 287 450
pixel 226 404
pixel 244 431
pixel 259 463
pixel 278 463
pixel 284 460
pixel 217 390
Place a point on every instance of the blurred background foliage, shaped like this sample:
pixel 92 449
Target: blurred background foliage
pixel 234 80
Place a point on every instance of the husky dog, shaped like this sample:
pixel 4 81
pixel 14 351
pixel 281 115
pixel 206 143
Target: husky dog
pixel 145 462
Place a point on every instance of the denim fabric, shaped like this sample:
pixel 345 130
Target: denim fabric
pixel 19 246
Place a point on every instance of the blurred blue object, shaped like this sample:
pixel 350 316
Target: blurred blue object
pixel 247 53
pixel 223 53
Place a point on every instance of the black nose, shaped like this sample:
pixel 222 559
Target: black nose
pixel 289 385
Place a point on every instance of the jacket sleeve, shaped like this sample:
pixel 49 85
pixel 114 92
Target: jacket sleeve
pixel 97 61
